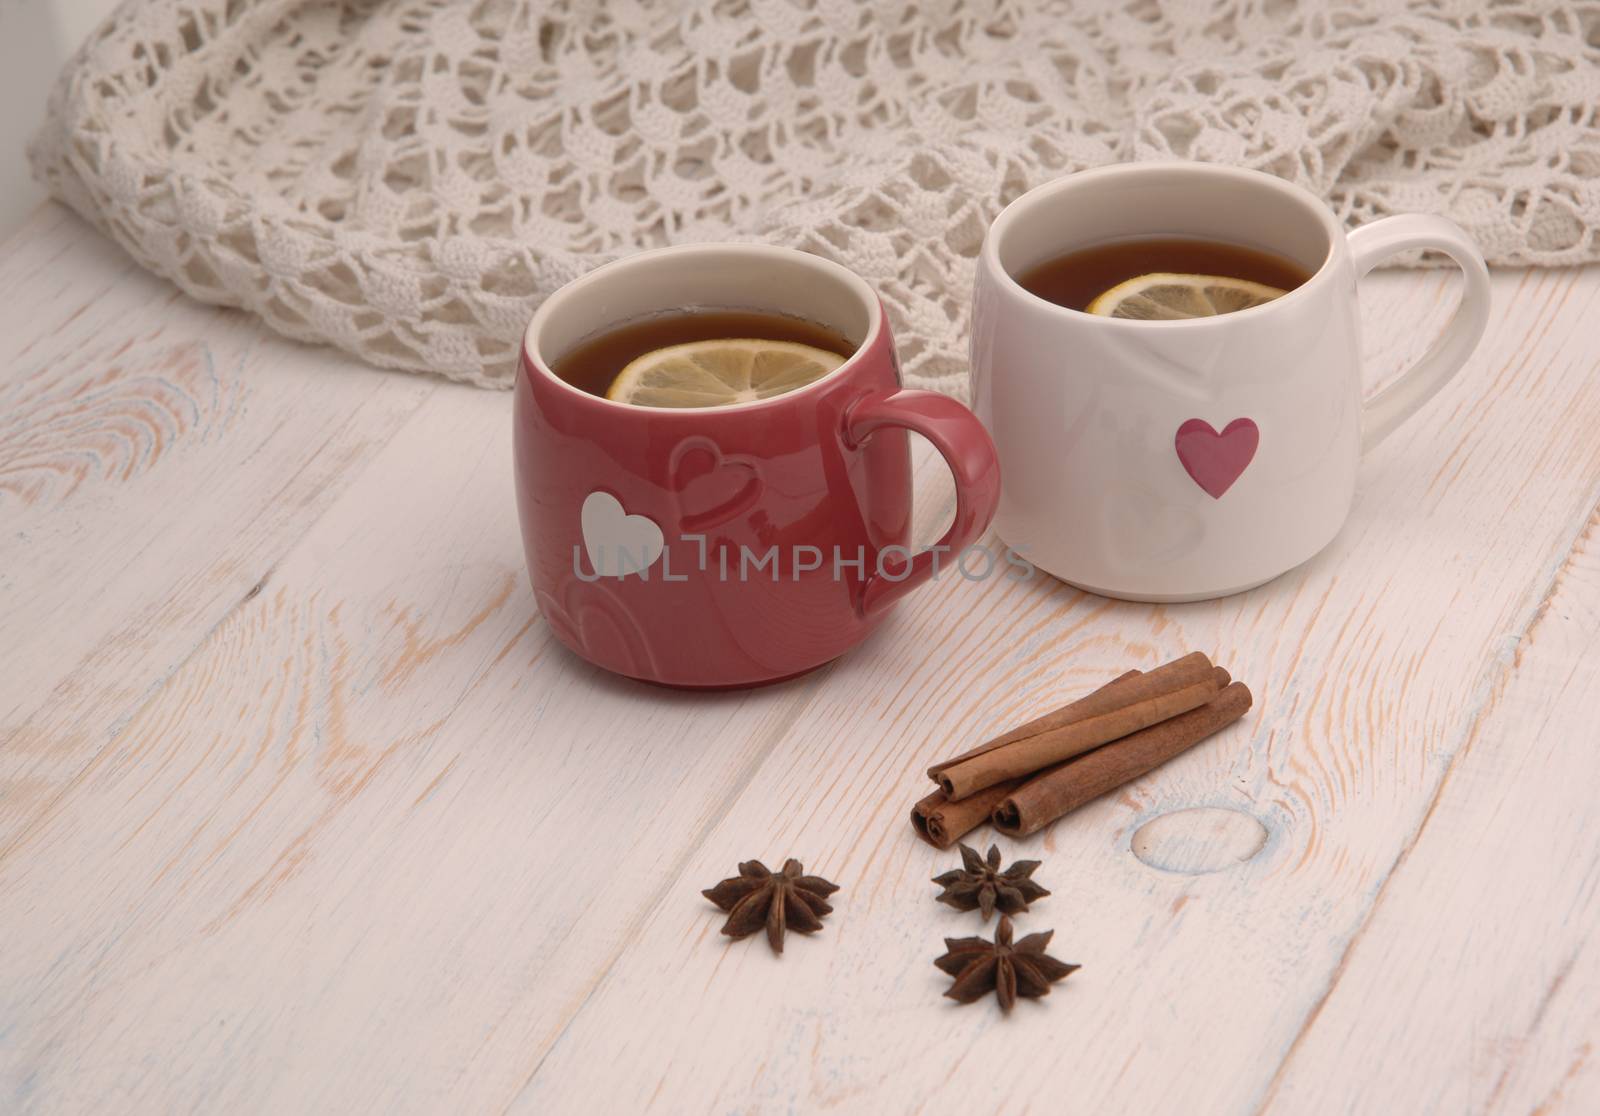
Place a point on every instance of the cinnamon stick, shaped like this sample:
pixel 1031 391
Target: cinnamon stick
pixel 942 823
pixel 1142 701
pixel 1103 700
pixel 1062 789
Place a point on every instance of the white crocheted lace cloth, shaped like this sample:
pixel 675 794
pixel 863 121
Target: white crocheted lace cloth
pixel 407 180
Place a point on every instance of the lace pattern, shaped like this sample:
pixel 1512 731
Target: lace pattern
pixel 407 180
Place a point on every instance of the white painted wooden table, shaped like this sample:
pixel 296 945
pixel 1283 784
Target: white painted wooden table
pixel 303 811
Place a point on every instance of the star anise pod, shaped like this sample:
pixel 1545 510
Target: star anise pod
pixel 980 885
pixel 787 900
pixel 1007 970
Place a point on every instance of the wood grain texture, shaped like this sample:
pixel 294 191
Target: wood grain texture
pixel 156 460
pixel 1372 665
pixel 307 813
pixel 390 677
pixel 1482 943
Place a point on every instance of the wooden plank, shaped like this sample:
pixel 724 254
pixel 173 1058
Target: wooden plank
pixel 1482 946
pixel 1372 664
pixel 157 458
pixel 377 837
pixel 374 844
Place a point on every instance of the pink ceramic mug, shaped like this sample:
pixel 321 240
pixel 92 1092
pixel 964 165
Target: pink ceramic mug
pixel 734 545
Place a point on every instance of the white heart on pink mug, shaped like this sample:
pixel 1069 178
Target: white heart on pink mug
pixel 618 544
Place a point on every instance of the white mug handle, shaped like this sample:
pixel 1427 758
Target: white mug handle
pixel 1369 246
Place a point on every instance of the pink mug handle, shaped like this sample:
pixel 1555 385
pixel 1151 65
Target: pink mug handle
pixel 969 451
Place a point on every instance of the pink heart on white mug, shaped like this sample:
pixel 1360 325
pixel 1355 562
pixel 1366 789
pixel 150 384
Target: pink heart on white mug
pixel 1214 461
pixel 618 544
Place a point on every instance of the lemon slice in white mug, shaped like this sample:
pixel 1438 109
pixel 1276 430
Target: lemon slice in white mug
pixel 717 373
pixel 1165 296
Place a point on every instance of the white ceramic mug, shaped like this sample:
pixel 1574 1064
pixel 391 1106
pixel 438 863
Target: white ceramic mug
pixel 1180 460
